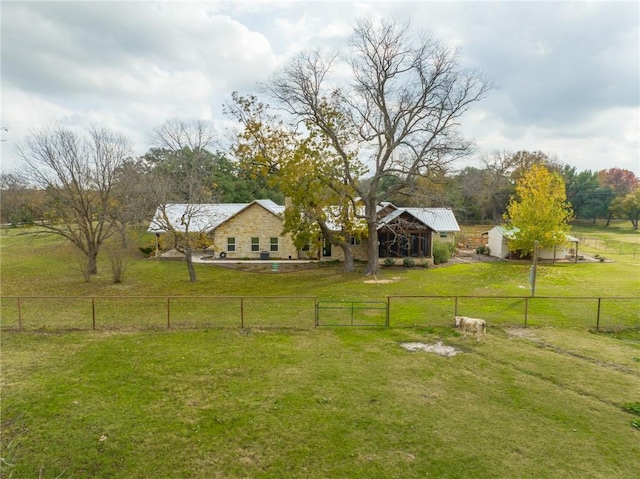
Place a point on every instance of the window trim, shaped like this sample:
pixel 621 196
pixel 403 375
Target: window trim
pixel 274 247
pixel 255 246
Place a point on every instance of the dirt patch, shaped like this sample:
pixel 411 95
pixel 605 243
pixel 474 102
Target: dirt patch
pixel 382 281
pixel 437 348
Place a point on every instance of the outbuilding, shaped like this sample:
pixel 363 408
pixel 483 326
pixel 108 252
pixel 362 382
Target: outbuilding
pixel 498 239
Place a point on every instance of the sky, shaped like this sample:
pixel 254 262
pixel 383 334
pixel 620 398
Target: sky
pixel 567 73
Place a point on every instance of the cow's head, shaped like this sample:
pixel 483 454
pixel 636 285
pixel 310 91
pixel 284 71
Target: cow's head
pixel 458 320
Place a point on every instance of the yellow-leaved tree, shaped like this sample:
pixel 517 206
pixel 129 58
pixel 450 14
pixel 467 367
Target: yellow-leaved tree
pixel 538 211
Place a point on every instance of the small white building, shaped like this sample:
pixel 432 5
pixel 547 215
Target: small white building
pixel 498 242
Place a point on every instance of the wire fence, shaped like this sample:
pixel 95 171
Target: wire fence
pixel 65 313
pixel 610 246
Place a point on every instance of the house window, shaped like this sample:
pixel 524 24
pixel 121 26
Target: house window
pixel 255 244
pixel 355 241
pixel 273 243
pixel 231 244
pixel 443 235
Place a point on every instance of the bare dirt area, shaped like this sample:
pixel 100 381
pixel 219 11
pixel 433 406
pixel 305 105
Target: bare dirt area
pixel 437 348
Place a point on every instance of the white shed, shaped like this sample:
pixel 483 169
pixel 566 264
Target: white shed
pixel 498 243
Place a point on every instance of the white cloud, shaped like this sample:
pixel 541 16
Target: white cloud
pixel 569 72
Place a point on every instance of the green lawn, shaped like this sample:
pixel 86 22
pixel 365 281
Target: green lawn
pixel 554 400
pixel 318 403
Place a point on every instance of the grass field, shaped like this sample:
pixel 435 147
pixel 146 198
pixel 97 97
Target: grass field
pixel 556 400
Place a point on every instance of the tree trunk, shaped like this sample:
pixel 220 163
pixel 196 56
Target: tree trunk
pixel 349 262
pixel 609 218
pixel 92 258
pixel 373 264
pixel 192 270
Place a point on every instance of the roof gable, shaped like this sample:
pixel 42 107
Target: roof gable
pixel 438 219
pixel 203 217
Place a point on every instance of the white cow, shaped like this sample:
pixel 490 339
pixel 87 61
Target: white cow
pixel 473 325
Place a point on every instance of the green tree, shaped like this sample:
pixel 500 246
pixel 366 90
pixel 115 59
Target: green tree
pixel 538 211
pixel 628 207
pixel 621 182
pixel 588 198
pixel 305 169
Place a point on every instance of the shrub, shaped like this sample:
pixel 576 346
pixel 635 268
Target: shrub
pixel 442 252
pixel 389 262
pixel 483 249
pixel 147 250
pixel 408 262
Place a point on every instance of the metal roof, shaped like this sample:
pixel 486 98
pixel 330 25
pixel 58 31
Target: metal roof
pixel 438 219
pixel 203 217
pixel 509 233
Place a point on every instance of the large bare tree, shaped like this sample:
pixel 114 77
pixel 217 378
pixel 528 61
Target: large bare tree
pixel 79 175
pixel 399 112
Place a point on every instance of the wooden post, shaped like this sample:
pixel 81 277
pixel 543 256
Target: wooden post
pixel 598 319
pixel 387 319
pixel 534 268
pixel 93 313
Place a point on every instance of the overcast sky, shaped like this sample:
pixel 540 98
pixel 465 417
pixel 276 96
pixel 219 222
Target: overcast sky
pixel 568 73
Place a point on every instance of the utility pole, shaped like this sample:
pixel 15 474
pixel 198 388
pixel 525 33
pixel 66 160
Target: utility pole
pixel 534 266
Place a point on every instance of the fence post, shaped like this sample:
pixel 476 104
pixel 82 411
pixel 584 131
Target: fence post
pixel 93 313
pixel 598 319
pixel 455 308
pixel 19 315
pixel 168 312
pixel 526 311
pixel 315 307
pixel 388 321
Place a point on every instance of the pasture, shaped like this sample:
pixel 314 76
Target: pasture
pixel 556 400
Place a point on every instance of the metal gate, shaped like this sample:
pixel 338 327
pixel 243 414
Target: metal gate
pixel 352 313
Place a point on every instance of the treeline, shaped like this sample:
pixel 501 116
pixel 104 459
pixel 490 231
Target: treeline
pixel 478 195
pixel 26 204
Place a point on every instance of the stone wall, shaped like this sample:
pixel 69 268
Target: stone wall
pixel 254 221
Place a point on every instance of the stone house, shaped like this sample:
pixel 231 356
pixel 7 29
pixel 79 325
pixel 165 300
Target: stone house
pixel 237 230
pixel 254 230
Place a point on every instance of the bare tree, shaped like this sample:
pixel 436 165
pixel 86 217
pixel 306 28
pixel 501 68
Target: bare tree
pixel 186 145
pixel 78 174
pixel 400 115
